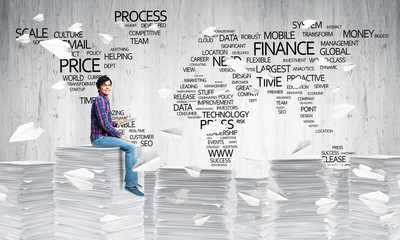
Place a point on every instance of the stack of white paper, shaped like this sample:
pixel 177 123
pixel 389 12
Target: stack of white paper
pixel 337 217
pixel 254 220
pixel 375 197
pixel 26 200
pixel 189 207
pixel 91 202
pixel 298 212
pixel 149 184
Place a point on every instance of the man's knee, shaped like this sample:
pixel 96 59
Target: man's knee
pixel 130 148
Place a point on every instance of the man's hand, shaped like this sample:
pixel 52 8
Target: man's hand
pixel 121 121
pixel 126 139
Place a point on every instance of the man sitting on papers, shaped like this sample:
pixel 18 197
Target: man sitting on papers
pixel 103 133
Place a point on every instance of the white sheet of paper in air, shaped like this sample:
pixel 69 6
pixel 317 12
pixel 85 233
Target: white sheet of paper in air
pixel 105 38
pixel 98 171
pixel 172 132
pixel 325 205
pixel 24 38
pixel 274 193
pixel 120 24
pixel 348 66
pixel 364 171
pixel 210 31
pixel 213 127
pixel 297 82
pixel 252 197
pixel 79 178
pixel 341 110
pixel 267 75
pixel 194 170
pixel 149 161
pixel 307 23
pixel 375 201
pixel 178 197
pixel 200 219
pixel 302 146
pixel 322 61
pixel 385 218
pixel 26 132
pixel 59 85
pixel 336 89
pixel 254 90
pixel 253 218
pixel 76 27
pixel 237 65
pixel 38 18
pixel 3 193
pixel 58 48
pixel 153 27
pixel 164 92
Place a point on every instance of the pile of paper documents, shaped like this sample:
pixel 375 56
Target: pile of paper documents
pixel 301 199
pixel 375 197
pixel 195 204
pixel 254 220
pixel 91 202
pixel 26 200
pixel 149 184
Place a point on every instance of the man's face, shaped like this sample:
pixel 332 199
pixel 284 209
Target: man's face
pixel 105 88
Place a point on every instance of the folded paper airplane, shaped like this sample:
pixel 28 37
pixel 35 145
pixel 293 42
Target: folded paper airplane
pixel 76 27
pixel 24 38
pixel 57 47
pixel 210 31
pixel 26 132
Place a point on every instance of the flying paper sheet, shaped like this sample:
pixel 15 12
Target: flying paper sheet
pixel 336 89
pixel 38 18
pixel 297 82
pixel 348 66
pixel 58 48
pixel 342 110
pixel 3 193
pixel 59 85
pixel 267 75
pixel 79 178
pixel 274 193
pixel 375 201
pixel 302 146
pixel 322 61
pixel 26 132
pixel 24 38
pixel 105 38
pixel 325 205
pixel 172 132
pixel 200 219
pixel 215 126
pixel 76 27
pixel 252 197
pixel 237 65
pixel 194 170
pixel 120 24
pixel 364 171
pixel 149 161
pixel 164 92
pixel 178 197
pixel 153 27
pixel 385 218
pixel 307 23
pixel 210 31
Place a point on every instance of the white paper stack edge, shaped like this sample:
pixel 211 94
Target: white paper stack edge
pixel 195 208
pixel 254 220
pixel 149 184
pixel 297 217
pixel 375 197
pixel 26 200
pixel 338 217
pixel 91 202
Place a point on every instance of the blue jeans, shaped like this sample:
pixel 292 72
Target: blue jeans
pixel 131 177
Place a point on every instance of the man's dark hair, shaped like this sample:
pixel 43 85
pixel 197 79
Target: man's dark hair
pixel 102 80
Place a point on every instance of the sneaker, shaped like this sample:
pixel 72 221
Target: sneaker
pixel 134 190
